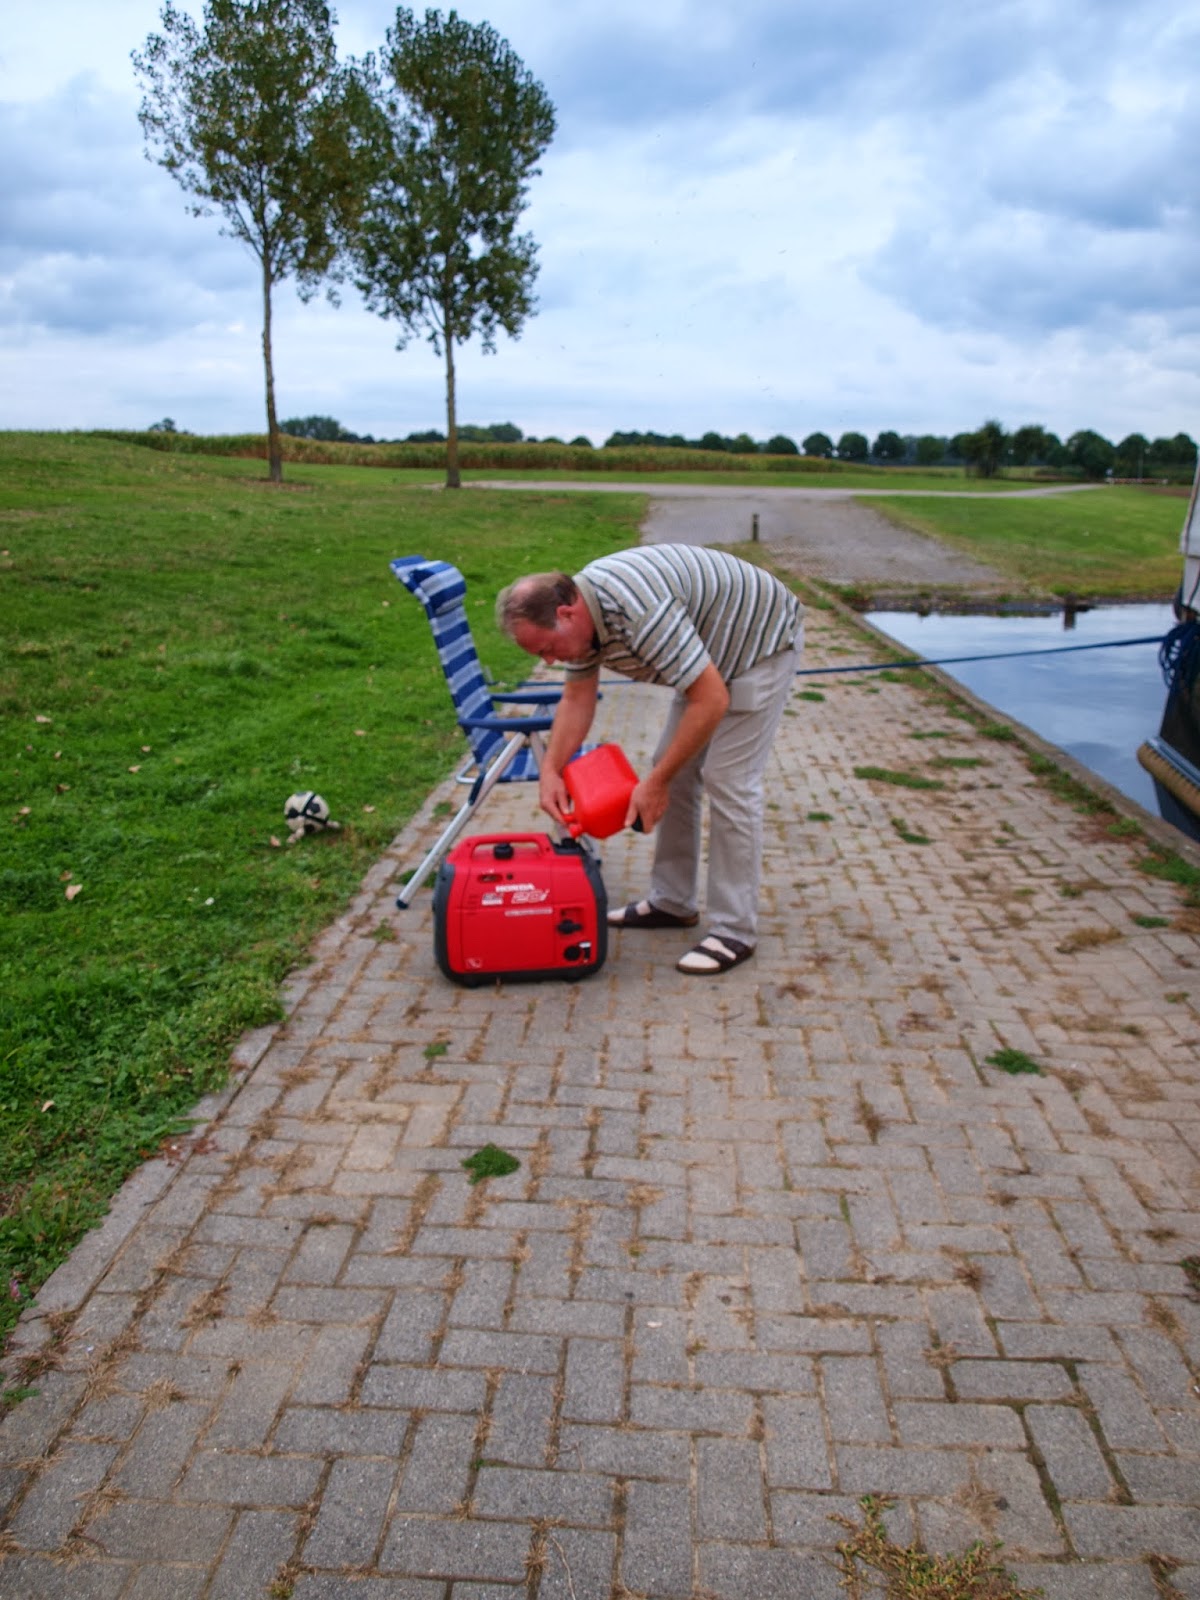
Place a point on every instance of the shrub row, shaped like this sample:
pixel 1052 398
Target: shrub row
pixel 473 456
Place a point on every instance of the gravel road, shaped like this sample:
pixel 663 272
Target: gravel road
pixel 829 534
pixel 836 540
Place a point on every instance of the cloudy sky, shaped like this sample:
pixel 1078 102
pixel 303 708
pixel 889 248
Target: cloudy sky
pixel 774 216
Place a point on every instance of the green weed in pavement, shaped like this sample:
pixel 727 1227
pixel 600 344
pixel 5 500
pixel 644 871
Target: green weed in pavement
pixel 869 1556
pixel 1013 1062
pixel 902 780
pixel 908 834
pixel 489 1161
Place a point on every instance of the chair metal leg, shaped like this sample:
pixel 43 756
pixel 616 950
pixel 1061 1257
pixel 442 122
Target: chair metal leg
pixel 435 857
pixel 486 782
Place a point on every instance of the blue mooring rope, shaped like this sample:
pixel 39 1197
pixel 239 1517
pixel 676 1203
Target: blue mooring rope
pixel 1000 655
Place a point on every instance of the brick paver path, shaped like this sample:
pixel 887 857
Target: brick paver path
pixel 777 1239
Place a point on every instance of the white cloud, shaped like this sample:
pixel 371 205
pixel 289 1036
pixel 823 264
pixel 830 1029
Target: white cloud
pixel 775 217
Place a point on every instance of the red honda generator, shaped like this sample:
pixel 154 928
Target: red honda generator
pixel 519 906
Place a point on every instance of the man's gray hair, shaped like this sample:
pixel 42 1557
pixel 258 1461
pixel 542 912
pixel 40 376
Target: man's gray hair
pixel 535 600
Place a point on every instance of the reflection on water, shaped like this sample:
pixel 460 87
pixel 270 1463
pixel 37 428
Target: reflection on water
pixel 1098 705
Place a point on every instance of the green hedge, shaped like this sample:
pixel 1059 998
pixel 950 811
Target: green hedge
pixel 527 457
pixel 473 457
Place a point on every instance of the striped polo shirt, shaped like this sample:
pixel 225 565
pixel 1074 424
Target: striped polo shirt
pixel 665 612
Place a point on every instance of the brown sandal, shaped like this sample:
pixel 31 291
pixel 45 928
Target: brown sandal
pixel 714 955
pixel 641 914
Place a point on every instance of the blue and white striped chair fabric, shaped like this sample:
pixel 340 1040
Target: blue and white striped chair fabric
pixel 504 749
pixel 441 589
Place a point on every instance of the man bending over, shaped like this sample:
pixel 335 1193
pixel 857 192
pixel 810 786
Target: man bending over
pixel 725 636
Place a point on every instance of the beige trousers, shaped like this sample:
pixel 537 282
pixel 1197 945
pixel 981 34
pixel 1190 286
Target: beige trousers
pixel 729 770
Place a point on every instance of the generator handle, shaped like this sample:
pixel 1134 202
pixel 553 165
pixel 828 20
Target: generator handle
pixel 485 841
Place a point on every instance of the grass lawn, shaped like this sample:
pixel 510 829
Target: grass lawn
pixel 1116 542
pixel 183 647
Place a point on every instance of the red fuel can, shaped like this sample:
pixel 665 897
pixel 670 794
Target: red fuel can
pixel 519 906
pixel 600 784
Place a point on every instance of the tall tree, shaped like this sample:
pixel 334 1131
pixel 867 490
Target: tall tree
pixel 888 447
pixel 1174 454
pixel 1027 446
pixel 930 450
pixel 323 428
pixel 985 450
pixel 818 444
pixel 253 117
pixel 1131 456
pixel 852 447
pixel 959 446
pixel 1091 452
pixel 438 249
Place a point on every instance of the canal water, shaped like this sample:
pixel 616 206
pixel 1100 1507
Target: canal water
pixel 1098 705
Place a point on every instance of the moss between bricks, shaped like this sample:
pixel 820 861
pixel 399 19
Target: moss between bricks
pixel 490 1162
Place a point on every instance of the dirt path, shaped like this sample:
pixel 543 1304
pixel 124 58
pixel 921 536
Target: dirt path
pixel 829 534
pixel 838 541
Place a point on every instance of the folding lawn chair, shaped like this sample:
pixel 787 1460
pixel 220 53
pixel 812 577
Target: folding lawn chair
pixel 504 748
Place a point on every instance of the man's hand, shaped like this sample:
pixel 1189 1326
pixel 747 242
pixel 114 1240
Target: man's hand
pixel 649 802
pixel 552 793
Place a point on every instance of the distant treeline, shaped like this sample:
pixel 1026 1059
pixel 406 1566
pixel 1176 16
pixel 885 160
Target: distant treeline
pixel 987 451
pixel 329 428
